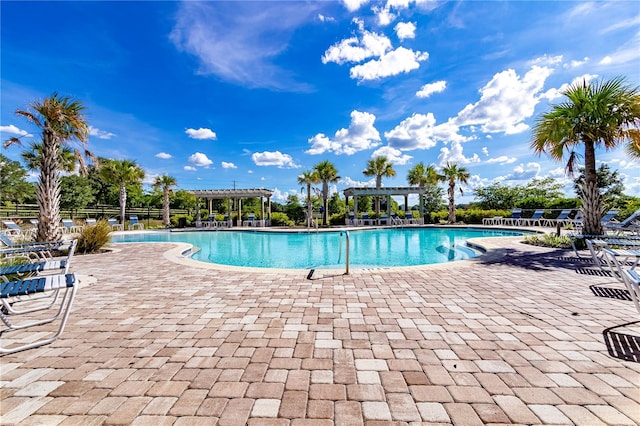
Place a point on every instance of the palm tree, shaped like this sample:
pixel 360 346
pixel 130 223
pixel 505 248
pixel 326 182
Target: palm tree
pixel 379 167
pixel 422 176
pixel 308 178
pixel 326 173
pixel 604 113
pixel 32 158
pixel 452 173
pixel 165 182
pixel 62 122
pixel 122 173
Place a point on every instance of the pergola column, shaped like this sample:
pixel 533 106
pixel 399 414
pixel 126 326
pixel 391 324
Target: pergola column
pixel 239 211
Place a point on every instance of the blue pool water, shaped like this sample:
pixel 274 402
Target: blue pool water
pixel 306 250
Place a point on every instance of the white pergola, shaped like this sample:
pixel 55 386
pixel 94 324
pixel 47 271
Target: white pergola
pixel 234 194
pixel 387 192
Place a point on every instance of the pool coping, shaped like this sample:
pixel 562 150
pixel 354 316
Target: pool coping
pixel 492 248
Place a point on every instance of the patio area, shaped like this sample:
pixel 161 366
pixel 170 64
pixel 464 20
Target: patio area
pixel 520 335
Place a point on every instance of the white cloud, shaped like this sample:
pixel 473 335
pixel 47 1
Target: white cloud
pixel 353 5
pixel 226 165
pixel 384 15
pixel 522 172
pixel 485 151
pixel 100 134
pixel 395 156
pixel 558 172
pixel 11 129
pixel 266 158
pixel 360 135
pixel 554 93
pixel 163 155
pixel 401 60
pixel 323 18
pixel 201 133
pixel 240 41
pixel 431 88
pixel 356 49
pixel 455 155
pixel 199 159
pixel 606 60
pixel 421 132
pixel 546 60
pixel 405 30
pixel 502 160
pixel 279 196
pixel 574 63
pixel 506 101
pixel 349 182
pixel 190 168
pixel 625 53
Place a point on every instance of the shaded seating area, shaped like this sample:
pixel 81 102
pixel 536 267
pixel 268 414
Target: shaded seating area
pixel 386 217
pixel 234 197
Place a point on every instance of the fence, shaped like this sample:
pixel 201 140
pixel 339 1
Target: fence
pixel 24 212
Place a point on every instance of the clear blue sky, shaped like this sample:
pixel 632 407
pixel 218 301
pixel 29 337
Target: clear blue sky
pixel 251 94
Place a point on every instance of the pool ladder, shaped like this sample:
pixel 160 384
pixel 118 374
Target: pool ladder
pixel 346 253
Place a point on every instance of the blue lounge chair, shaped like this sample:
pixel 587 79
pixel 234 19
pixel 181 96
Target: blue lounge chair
pixel 19 290
pixel 515 219
pixel 561 219
pixel 134 223
pixel 632 281
pixel 627 225
pixel 69 227
pixel 115 226
pixel 12 228
pixel 90 222
pixel 38 267
pixel 535 219
pixel 609 216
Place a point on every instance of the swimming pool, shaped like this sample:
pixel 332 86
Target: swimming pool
pixel 317 250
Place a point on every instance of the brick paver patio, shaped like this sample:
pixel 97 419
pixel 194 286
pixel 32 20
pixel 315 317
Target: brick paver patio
pixel 517 337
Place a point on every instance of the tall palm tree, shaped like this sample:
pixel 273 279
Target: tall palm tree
pixel 122 173
pixel 62 122
pixel 422 176
pixel 379 167
pixel 165 182
pixel 604 113
pixel 452 174
pixel 327 174
pixel 32 158
pixel 309 178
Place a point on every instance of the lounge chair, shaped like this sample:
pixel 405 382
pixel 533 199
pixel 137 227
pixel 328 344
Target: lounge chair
pixel 616 259
pixel 608 217
pixel 90 222
pixel 12 228
pixel 383 220
pixel 561 219
pixel 115 226
pixel 366 220
pixel 535 219
pixel 632 281
pixel 251 220
pixel 627 225
pixel 40 266
pixel 31 250
pixel 134 223
pixel 16 290
pixel 515 219
pixel 69 227
pixel 495 220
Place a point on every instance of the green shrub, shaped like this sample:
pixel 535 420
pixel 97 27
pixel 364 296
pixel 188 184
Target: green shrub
pixel 280 219
pixel 175 219
pixel 548 240
pixel 93 238
pixel 336 219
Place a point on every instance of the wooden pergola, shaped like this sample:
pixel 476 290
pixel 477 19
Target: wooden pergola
pixel 386 192
pixel 234 194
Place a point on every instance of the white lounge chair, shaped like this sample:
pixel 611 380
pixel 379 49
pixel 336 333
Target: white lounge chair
pixel 561 219
pixel 515 219
pixel 18 290
pixel 12 228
